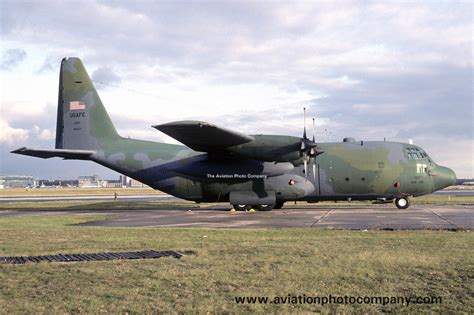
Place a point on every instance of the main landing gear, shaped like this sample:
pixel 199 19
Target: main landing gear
pixel 402 202
pixel 265 207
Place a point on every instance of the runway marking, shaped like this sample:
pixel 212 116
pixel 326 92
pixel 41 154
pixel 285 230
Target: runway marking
pixel 442 218
pixel 321 218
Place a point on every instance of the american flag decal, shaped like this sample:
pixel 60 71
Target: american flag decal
pixel 77 105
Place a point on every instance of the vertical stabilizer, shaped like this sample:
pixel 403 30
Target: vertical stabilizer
pixel 82 122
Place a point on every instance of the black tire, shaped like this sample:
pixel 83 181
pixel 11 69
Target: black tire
pixel 402 203
pixel 241 207
pixel 264 207
pixel 279 205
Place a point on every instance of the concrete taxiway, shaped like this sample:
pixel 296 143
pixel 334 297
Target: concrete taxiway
pixel 337 217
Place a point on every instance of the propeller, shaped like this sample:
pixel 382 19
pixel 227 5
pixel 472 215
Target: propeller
pixel 312 154
pixel 308 148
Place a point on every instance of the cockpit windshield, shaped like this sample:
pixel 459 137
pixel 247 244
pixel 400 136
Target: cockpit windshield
pixel 414 153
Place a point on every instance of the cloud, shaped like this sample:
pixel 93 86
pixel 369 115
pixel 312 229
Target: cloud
pixel 12 58
pixel 394 70
pixel 105 76
pixel 48 65
pixel 43 134
pixel 10 135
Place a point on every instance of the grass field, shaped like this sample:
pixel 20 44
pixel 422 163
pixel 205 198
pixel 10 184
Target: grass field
pixel 74 191
pixel 226 263
pixel 229 263
pixel 99 205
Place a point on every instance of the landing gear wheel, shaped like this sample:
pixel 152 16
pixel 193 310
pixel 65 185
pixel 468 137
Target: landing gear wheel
pixel 279 205
pixel 402 203
pixel 264 207
pixel 241 207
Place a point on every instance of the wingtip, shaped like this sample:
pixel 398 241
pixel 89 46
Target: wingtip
pixel 19 150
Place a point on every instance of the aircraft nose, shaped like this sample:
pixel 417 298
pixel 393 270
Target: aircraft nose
pixel 444 177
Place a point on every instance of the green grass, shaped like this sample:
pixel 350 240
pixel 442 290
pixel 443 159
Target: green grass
pixel 101 205
pixel 74 191
pixel 229 263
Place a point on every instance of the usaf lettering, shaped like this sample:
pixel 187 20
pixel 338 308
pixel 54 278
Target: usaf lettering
pixel 77 115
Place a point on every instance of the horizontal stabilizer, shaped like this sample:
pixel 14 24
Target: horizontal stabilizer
pixel 46 154
pixel 202 136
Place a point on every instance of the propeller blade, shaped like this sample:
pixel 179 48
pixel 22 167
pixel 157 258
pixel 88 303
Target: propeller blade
pixel 305 166
pixel 314 169
pixel 314 132
pixel 304 129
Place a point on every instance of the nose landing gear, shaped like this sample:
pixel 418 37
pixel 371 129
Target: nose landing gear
pixel 402 202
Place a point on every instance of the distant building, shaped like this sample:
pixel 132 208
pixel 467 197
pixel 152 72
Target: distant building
pixel 93 181
pixel 130 182
pixel 111 183
pixel 16 181
pixel 56 183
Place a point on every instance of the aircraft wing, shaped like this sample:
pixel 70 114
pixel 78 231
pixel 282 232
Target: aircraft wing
pixel 64 153
pixel 202 136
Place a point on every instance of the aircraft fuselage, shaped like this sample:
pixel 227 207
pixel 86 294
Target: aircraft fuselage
pixel 358 170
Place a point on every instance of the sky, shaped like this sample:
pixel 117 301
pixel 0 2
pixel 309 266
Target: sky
pixel 369 70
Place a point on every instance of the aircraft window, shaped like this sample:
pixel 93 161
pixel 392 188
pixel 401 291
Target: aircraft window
pixel 415 154
pixel 421 168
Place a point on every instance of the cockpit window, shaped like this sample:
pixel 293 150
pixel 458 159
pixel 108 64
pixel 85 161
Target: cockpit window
pixel 415 153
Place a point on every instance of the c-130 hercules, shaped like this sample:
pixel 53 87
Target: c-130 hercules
pixel 250 171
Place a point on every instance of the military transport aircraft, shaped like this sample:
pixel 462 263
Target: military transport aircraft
pixel 251 171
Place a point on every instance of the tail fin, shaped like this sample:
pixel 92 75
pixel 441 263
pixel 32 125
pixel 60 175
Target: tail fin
pixel 82 122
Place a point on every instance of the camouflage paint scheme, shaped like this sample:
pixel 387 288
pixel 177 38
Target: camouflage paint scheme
pixel 357 170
